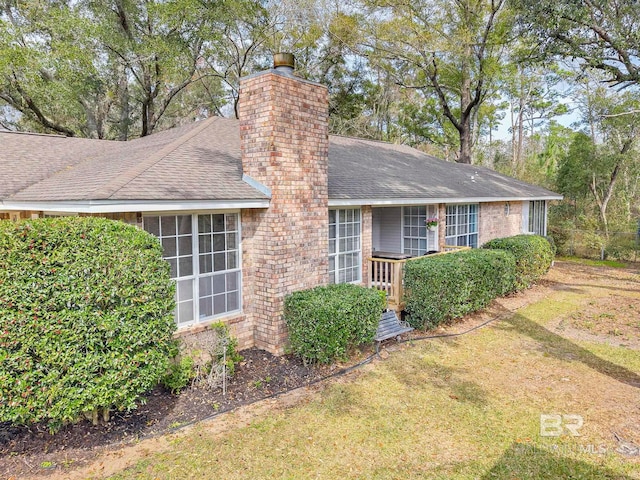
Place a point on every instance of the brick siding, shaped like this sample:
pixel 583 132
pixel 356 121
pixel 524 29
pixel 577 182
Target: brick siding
pixel 494 223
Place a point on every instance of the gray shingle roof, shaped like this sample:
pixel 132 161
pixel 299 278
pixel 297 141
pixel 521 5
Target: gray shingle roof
pixel 365 169
pixel 184 163
pixel 201 161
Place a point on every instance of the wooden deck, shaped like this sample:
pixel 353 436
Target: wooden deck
pixel 386 274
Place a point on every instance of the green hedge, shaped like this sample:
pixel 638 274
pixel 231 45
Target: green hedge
pixel 442 287
pixel 533 255
pixel 324 322
pixel 86 318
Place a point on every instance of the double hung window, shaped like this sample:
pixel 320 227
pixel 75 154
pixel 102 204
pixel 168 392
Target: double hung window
pixel 345 253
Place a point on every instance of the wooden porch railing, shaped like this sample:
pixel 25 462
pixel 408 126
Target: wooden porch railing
pixel 386 275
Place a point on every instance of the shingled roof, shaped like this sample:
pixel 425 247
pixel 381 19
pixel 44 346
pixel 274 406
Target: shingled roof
pixel 385 173
pixel 201 161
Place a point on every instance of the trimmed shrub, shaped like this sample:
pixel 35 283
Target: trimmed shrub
pixel 442 287
pixel 86 318
pixel 533 254
pixel 324 322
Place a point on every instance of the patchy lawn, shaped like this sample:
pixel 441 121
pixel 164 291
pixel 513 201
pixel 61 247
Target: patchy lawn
pixel 463 407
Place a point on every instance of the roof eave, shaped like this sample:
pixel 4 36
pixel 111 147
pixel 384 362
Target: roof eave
pixel 123 206
pixel 388 202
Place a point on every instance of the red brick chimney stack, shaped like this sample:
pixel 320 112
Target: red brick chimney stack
pixel 285 147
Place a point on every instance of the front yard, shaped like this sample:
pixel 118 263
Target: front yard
pixel 462 407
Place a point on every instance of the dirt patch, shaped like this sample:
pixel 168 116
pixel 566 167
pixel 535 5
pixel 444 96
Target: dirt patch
pixel 613 316
pixel 614 320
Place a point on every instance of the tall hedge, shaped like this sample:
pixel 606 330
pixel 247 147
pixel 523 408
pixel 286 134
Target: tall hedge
pixel 86 320
pixel 442 287
pixel 324 322
pixel 533 255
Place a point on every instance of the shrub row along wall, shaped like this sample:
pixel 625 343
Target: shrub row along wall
pixel 86 318
pixel 323 322
pixel 533 255
pixel 443 287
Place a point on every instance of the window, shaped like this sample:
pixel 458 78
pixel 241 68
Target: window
pixel 417 238
pixel 462 225
pixel 344 246
pixel 537 217
pixel 415 230
pixel 203 252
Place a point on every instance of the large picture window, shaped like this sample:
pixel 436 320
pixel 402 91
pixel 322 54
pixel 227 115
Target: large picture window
pixel 345 258
pixel 462 225
pixel 204 255
pixel 537 217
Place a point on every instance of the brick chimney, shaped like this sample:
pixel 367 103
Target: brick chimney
pixel 284 146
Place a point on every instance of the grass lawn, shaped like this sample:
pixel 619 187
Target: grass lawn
pixel 459 408
pixel 593 263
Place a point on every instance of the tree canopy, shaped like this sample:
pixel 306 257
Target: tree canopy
pixel 600 34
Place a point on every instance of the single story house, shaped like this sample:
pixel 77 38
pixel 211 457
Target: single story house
pixel 250 210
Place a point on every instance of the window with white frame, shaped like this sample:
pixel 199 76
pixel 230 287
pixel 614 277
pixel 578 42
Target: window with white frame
pixel 462 225
pixel 204 255
pixel 417 238
pixel 345 257
pixel 415 230
pixel 537 217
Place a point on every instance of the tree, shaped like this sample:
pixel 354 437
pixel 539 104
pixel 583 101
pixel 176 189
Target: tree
pixel 46 67
pixel 554 143
pixel 534 99
pixel 159 45
pixel 119 68
pixel 594 165
pixel 573 178
pixel 600 34
pixel 450 51
pixel 620 138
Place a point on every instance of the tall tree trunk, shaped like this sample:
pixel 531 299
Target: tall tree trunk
pixel 91 121
pixel 465 142
pixel 518 158
pixel 465 100
pixel 125 108
pixel 603 201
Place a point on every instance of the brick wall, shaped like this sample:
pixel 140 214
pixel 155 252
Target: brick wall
pixel 495 223
pixel 17 215
pixel 240 327
pixel 284 145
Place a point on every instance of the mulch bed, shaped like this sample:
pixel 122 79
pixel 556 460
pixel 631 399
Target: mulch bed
pixel 258 376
